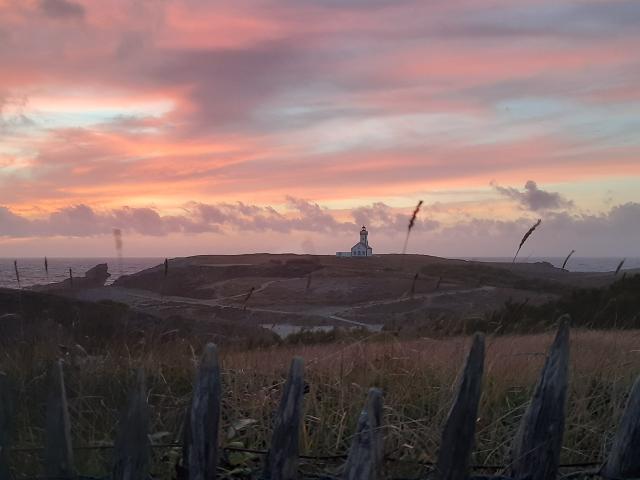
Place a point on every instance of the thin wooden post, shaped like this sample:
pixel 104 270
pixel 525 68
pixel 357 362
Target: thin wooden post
pixel 131 450
pixel 282 460
pixel 204 418
pixel 182 470
pixel 535 451
pixel 624 458
pixel 366 455
pixel 459 430
pixel 6 415
pixel 58 451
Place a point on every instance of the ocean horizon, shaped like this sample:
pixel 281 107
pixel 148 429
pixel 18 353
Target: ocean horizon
pixel 32 270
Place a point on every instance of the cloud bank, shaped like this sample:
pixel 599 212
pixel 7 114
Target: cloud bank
pixel 229 218
pixel 535 199
pixel 613 231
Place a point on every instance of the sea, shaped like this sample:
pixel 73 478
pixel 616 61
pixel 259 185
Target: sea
pixel 32 270
pixel 574 264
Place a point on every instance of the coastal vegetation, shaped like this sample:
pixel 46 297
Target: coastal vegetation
pixel 417 377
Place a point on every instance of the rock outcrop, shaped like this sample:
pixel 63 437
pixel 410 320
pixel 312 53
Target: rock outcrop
pixel 94 278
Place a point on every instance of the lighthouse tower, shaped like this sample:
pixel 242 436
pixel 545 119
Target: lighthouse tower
pixel 360 249
pixel 363 236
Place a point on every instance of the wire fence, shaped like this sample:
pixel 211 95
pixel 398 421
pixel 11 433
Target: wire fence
pixel 535 450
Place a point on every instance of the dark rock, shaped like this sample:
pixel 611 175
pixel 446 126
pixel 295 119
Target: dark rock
pixel 94 278
pixel 98 274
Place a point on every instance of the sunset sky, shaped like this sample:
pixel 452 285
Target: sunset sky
pixel 200 126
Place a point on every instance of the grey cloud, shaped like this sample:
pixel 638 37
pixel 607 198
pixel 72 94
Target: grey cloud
pixel 593 19
pixel 228 85
pixel 83 221
pixel 313 216
pixel 301 216
pixel 145 220
pixel 62 9
pixel 610 233
pixel 73 221
pixel 534 198
pixel 382 216
pixel 355 4
pixel 13 224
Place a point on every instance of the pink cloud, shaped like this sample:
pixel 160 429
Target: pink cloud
pixel 335 101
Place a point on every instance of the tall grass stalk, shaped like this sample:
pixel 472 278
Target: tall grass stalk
pixel 117 237
pixel 525 237
pixel 564 264
pixel 15 268
pixel 412 223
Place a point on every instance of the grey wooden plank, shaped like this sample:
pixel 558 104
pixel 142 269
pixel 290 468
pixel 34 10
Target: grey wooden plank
pixel 58 451
pixel 535 452
pixel 366 454
pixel 204 418
pixel 624 458
pixel 6 418
pixel 282 460
pixel 131 450
pixel 458 435
pixel 183 468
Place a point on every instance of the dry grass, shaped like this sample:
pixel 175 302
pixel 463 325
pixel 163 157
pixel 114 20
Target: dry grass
pixel 412 222
pixel 525 237
pixel 417 376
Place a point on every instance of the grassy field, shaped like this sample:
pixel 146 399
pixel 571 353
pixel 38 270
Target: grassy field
pixel 418 378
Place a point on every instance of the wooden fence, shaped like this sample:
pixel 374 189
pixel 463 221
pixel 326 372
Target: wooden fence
pixel 535 450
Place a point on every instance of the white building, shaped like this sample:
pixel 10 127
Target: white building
pixel 360 249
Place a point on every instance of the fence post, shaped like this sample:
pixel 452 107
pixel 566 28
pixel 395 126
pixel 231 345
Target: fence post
pixel 6 415
pixel 535 450
pixel 131 450
pixel 366 454
pixel 282 460
pixel 204 418
pixel 459 430
pixel 58 451
pixel 182 469
pixel 624 458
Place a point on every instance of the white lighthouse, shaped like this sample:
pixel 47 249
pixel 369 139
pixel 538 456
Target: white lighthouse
pixel 360 249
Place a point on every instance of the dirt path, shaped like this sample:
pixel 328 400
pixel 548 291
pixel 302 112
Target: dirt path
pixel 138 298
pixel 144 300
pixel 309 314
pixel 423 296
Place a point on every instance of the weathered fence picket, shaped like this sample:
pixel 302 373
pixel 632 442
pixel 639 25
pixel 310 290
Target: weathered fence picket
pixel 282 460
pixel 535 449
pixel 58 451
pixel 624 458
pixel 204 418
pixel 535 453
pixel 6 414
pixel 182 469
pixel 459 430
pixel 131 450
pixel 366 455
